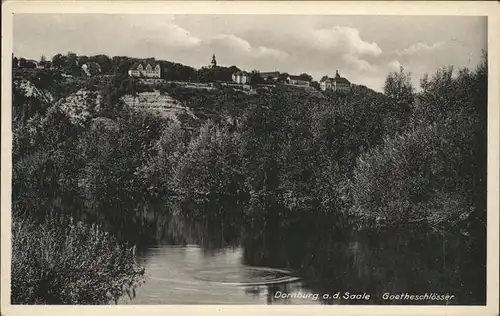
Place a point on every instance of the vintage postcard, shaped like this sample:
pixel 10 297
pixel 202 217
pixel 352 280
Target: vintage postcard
pixel 197 158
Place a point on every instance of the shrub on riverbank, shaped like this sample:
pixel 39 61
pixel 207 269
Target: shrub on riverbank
pixel 434 171
pixel 61 262
pixel 407 180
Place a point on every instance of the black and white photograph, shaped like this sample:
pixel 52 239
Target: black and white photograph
pixel 249 159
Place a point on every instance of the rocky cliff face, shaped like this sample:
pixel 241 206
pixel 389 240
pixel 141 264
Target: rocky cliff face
pixel 158 103
pixel 84 103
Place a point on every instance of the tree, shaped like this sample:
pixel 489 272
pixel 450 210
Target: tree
pixel 206 74
pixel 121 64
pixel 104 61
pixel 256 78
pixel 234 69
pixel 82 60
pixel 72 64
pixel 43 61
pixel 59 61
pixel 399 89
pixel 53 279
pixel 433 173
pixel 282 77
pixel 111 102
pixel 176 71
pixel 306 77
pixel 209 174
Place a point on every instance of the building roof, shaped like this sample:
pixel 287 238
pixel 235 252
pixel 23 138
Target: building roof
pixel 244 73
pixel 337 79
pixel 341 80
pixel 297 78
pixel 136 65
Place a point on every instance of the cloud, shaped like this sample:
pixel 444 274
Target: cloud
pixel 276 53
pixel 357 64
pixel 123 35
pixel 394 65
pixel 231 41
pixel 242 46
pixel 180 37
pixel 345 40
pixel 420 48
pixel 164 30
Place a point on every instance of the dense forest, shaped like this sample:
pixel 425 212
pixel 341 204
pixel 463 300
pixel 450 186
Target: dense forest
pixel 287 160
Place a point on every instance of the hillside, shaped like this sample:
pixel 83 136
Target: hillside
pixel 26 88
pixel 159 104
pixel 81 105
pixel 81 98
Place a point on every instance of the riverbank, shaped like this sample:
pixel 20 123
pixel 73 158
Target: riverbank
pixel 61 261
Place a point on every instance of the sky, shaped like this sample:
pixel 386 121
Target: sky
pixel 364 49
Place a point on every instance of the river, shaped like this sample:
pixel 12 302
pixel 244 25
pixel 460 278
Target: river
pixel 190 275
pixel 301 264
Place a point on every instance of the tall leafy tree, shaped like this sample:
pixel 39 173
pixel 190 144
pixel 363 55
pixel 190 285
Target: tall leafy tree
pixel 104 61
pixel 59 61
pixel 399 89
pixel 72 64
pixel 306 77
pixel 82 60
pixel 256 78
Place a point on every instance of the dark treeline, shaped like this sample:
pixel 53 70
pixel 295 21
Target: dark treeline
pixel 71 63
pixel 287 161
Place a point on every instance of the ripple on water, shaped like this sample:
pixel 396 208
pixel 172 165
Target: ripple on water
pixel 245 276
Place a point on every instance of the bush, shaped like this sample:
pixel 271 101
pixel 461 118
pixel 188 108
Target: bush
pixel 209 176
pixel 433 172
pixel 61 262
pixel 407 181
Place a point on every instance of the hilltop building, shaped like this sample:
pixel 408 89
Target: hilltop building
pixel 298 81
pixel 91 68
pixel 213 64
pixel 146 70
pixel 338 83
pixel 241 77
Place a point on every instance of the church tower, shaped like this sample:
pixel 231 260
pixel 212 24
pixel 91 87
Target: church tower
pixel 214 62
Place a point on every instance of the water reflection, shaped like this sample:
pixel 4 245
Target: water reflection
pixel 405 260
pixel 302 263
pixel 188 275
